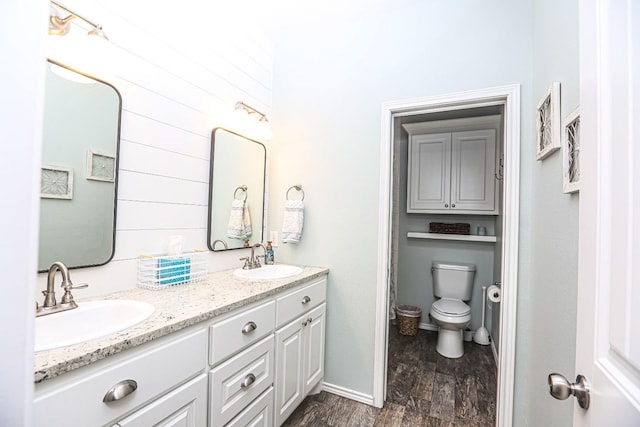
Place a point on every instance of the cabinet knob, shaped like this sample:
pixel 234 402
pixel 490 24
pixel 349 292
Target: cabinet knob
pixel 453 205
pixel 306 300
pixel 446 205
pixel 250 326
pixel 248 380
pixel 120 390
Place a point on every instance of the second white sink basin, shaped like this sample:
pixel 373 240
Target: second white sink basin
pixel 90 320
pixel 268 272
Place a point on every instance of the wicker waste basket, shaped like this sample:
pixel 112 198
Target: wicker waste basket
pixel 408 319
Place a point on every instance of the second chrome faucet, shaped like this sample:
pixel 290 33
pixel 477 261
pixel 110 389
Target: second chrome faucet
pixel 252 261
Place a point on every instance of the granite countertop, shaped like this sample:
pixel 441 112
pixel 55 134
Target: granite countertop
pixel 176 308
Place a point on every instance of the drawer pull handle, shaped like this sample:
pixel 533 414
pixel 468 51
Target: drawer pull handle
pixel 308 321
pixel 248 380
pixel 250 326
pixel 120 390
pixel 306 300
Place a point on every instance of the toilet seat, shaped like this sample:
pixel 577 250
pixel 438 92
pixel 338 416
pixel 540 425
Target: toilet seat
pixel 450 307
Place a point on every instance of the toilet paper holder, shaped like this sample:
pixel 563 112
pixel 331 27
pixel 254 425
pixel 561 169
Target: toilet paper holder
pixel 494 292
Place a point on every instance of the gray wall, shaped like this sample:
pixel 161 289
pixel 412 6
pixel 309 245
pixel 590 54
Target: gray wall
pixel 329 83
pixel 548 335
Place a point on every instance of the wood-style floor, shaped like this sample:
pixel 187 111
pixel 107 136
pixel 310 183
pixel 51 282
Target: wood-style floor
pixel 423 389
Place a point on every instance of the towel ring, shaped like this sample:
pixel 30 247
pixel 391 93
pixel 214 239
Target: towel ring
pixel 243 188
pixel 297 187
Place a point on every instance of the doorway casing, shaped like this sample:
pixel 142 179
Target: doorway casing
pixel 509 97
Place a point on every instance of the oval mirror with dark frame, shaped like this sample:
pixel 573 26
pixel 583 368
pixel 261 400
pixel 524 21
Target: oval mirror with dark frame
pixel 79 174
pixel 236 191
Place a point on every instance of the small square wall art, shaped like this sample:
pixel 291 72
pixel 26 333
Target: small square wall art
pixel 101 166
pixel 56 182
pixel 571 152
pixel 548 122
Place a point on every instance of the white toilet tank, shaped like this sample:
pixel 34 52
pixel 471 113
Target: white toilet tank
pixel 453 280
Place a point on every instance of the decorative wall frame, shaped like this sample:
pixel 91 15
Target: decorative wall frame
pixel 101 166
pixel 548 122
pixel 571 152
pixel 56 182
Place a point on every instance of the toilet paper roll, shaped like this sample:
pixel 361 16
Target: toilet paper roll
pixel 494 293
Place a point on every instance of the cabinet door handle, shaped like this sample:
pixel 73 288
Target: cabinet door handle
pixel 446 205
pixel 310 320
pixel 306 300
pixel 248 380
pixel 453 205
pixel 250 326
pixel 120 390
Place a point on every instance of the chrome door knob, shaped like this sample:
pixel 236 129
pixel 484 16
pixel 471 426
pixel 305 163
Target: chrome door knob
pixel 561 389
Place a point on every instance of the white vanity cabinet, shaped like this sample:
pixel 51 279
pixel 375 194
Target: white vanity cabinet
pixel 300 339
pixel 162 381
pixel 227 371
pixel 451 172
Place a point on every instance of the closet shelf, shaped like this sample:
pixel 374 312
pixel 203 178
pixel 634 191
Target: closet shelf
pixel 462 237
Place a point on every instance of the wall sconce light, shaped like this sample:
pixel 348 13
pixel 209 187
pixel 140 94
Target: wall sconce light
pixel 59 25
pixel 264 127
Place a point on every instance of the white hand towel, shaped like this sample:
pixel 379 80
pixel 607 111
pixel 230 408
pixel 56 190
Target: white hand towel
pixel 239 226
pixel 293 221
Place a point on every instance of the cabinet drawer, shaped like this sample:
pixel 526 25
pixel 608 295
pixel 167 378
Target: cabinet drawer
pixel 258 414
pixel 299 301
pixel 237 332
pixel 155 369
pixel 238 381
pixel 186 405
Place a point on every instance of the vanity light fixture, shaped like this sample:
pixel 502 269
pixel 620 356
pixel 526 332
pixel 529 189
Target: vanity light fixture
pixel 263 122
pixel 60 26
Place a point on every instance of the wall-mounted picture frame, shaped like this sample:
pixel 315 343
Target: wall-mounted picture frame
pixel 56 182
pixel 571 152
pixel 548 122
pixel 101 166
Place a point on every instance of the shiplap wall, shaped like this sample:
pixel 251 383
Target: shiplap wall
pixel 180 68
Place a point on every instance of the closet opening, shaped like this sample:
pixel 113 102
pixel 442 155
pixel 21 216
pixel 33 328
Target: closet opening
pixel 449 163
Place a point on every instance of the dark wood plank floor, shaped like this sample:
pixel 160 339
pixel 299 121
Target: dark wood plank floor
pixel 423 389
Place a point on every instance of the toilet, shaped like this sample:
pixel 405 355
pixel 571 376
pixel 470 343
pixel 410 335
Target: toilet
pixel 452 284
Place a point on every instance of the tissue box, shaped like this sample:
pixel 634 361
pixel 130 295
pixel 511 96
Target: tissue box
pixel 172 271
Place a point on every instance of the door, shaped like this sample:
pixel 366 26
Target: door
pixel 608 344
pixel 429 172
pixel 473 168
pixel 289 383
pixel 314 348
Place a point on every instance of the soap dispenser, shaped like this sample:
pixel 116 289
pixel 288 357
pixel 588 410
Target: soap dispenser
pixel 268 256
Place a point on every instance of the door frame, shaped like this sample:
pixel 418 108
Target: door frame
pixel 509 97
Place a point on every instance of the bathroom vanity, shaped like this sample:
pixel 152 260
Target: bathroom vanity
pixel 227 351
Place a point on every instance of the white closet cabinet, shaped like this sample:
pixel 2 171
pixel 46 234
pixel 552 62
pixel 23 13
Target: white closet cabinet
pixel 452 172
pixel 299 347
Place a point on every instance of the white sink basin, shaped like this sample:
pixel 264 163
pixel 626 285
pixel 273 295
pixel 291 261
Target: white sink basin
pixel 268 272
pixel 90 320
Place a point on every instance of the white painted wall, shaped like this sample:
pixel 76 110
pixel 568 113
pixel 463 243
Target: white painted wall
pixel 329 83
pixel 22 88
pixel 180 74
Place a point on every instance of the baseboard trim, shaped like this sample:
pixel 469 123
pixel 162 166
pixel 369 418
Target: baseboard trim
pixel 495 351
pixel 349 394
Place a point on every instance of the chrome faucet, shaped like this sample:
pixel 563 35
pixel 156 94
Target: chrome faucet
pixel 219 241
pixel 50 304
pixel 253 261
